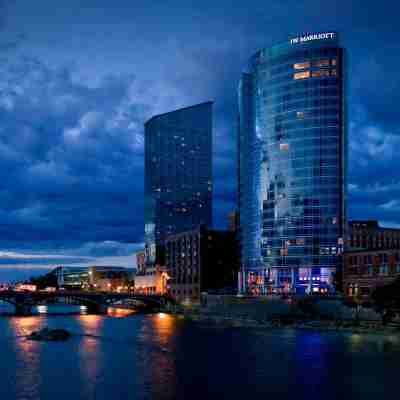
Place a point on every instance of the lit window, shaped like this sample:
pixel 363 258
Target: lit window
pixel 301 75
pixel 284 146
pixel 333 72
pixel 333 61
pixel 322 63
pixel 302 65
pixel 319 73
pixel 300 114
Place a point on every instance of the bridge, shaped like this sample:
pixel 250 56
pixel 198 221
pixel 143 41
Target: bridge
pixel 96 302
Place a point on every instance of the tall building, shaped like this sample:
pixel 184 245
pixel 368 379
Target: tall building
pixel 178 175
pixel 292 165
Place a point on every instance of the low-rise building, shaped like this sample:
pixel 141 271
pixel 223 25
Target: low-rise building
pixel 364 270
pixel 104 278
pixel 370 235
pixel 72 277
pixel 151 280
pixel 371 258
pixel 25 287
pixel 110 278
pixel 201 260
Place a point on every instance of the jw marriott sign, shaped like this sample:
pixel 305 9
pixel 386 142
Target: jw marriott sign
pixel 313 36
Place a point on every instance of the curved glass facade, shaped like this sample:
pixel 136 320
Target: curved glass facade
pixel 178 175
pixel 292 140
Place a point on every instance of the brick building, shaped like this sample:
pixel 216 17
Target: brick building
pixel 201 260
pixel 369 235
pixel 149 279
pixel 371 259
pixel 367 269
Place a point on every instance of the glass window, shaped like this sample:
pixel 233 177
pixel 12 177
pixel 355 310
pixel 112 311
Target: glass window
pixel 284 146
pixel 301 75
pixel 319 73
pixel 302 65
pixel 322 63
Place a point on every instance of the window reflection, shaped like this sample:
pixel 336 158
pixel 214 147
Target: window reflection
pixel 302 65
pixel 301 75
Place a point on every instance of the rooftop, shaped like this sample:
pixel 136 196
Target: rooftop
pixel 178 110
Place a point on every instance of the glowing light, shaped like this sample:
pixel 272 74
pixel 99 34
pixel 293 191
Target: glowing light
pixel 42 309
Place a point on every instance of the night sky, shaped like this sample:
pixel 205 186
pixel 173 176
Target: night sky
pixel 77 82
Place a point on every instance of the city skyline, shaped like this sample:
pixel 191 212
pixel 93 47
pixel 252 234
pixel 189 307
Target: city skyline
pixel 72 136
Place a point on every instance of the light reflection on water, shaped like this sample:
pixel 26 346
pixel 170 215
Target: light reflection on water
pixel 160 357
pixel 27 353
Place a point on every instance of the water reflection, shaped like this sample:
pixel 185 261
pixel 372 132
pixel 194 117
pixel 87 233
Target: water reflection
pixel 119 312
pixel 42 309
pixel 158 361
pixel 89 352
pixel 27 371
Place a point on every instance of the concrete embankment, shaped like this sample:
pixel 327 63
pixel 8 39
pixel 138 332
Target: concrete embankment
pixel 310 313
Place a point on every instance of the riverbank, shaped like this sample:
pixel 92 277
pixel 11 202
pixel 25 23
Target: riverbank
pixel 316 325
pixel 311 313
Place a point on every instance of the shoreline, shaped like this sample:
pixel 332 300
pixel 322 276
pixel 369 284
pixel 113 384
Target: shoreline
pixel 364 327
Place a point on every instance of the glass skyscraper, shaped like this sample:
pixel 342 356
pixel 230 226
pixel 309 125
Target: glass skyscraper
pixel 178 175
pixel 292 165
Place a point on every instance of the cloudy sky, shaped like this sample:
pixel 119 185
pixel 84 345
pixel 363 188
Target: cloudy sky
pixel 78 81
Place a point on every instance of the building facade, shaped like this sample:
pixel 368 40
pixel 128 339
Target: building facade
pixel 140 261
pixel 371 259
pixel 103 278
pixel 292 165
pixel 364 270
pixel 151 280
pixel 369 235
pixel 201 260
pixel 178 175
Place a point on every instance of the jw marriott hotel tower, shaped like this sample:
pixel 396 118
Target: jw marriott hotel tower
pixel 292 165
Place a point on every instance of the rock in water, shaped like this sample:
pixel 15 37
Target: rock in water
pixel 46 334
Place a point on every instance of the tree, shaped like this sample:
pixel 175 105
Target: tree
pixel 44 281
pixel 387 297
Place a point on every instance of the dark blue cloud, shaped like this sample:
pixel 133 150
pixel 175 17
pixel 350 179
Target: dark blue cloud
pixel 78 81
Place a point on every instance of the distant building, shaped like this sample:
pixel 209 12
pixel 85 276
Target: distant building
pixel 107 278
pixel 201 260
pixel 25 287
pixel 178 175
pixel 72 277
pixel 371 259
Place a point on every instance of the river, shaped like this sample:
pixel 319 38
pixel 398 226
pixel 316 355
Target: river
pixel 159 356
